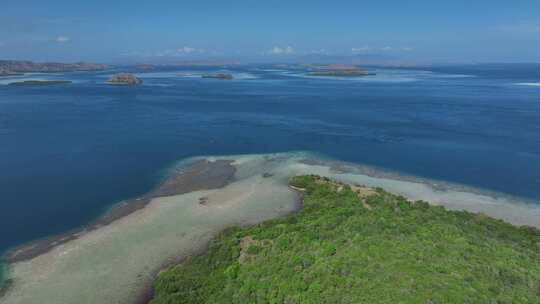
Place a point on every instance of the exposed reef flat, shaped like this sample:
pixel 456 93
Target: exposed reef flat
pixel 200 175
pixel 116 262
pixel 4 289
pixel 31 83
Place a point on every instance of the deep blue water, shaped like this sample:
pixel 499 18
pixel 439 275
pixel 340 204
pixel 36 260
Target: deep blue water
pixel 69 152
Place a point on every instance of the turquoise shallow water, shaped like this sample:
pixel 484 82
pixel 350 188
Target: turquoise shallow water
pixel 69 152
pixel 2 274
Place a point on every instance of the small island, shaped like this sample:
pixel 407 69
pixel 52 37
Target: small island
pixel 124 79
pixel 342 73
pixel 39 82
pixel 221 76
pixel 5 73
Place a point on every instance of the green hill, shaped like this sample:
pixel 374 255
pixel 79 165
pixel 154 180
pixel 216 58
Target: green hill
pixel 356 245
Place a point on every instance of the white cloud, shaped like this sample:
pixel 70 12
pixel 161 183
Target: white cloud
pixel 369 49
pixel 320 51
pixel 62 39
pixel 281 50
pixel 179 52
pixel 361 49
pixel 130 53
pixel 187 50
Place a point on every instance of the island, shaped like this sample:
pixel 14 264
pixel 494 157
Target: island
pixel 342 73
pixel 221 76
pixel 124 79
pixel 316 237
pixel 39 82
pixel 354 244
pixel 5 72
pixel 338 70
pixel 145 67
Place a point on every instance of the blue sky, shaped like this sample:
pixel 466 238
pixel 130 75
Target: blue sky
pixel 120 31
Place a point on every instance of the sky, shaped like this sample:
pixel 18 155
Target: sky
pixel 139 31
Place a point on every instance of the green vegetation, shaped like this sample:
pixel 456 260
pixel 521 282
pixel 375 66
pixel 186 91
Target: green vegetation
pixel 124 79
pixel 354 245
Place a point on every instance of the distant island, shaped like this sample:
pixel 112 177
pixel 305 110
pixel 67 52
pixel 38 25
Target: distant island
pixel 39 82
pixel 221 76
pixel 5 72
pixel 15 67
pixel 340 71
pixel 145 67
pixel 124 79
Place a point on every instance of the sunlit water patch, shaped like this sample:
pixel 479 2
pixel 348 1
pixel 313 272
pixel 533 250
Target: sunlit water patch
pixel 529 84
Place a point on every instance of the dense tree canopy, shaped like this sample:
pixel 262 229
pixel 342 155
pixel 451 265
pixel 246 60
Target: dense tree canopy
pixel 354 245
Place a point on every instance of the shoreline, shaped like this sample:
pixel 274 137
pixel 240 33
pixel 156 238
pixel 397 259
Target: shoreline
pixel 203 176
pixel 184 180
pixel 146 294
pixel 340 166
pixel 344 223
pixel 216 190
pixel 195 166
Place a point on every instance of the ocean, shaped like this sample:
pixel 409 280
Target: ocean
pixel 69 152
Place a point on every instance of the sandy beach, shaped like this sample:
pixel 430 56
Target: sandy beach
pixel 115 259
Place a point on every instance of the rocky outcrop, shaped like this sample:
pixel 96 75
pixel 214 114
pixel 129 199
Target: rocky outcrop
pixel 124 79
pixel 221 76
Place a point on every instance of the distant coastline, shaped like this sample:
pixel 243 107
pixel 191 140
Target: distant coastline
pixel 17 67
pixel 30 83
